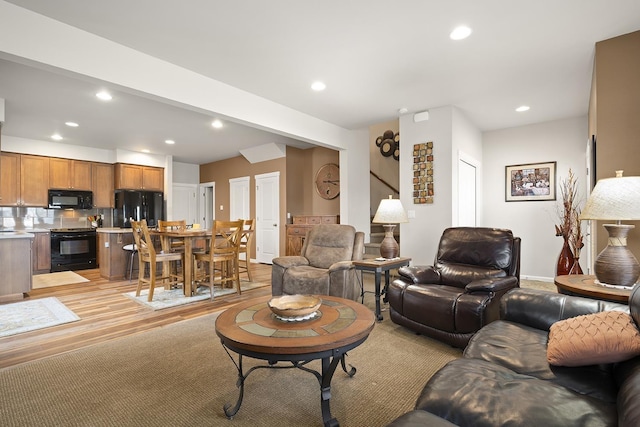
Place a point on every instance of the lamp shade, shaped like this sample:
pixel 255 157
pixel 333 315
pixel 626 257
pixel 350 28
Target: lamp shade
pixel 614 199
pixel 390 211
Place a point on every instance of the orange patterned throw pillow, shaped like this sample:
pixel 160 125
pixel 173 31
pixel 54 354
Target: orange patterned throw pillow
pixel 605 337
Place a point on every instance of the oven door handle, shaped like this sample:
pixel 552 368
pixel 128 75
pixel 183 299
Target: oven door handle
pixel 74 236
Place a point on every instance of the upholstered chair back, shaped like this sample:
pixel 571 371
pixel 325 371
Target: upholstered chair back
pixel 327 244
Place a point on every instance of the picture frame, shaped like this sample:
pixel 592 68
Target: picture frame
pixel 530 182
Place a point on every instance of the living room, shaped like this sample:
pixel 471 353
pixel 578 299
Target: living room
pixel 563 140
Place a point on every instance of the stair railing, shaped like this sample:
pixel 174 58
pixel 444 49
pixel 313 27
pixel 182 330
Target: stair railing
pixel 391 187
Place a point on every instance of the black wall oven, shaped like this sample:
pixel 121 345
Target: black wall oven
pixel 73 249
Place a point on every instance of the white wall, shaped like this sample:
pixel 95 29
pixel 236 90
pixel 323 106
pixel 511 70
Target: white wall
pixel 186 173
pixel 420 236
pixel 354 182
pixel 563 141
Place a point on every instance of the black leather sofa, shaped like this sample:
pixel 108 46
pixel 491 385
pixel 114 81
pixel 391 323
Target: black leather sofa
pixel 504 378
pixel 460 293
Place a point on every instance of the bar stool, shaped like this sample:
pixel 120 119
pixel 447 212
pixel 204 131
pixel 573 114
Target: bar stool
pixel 131 247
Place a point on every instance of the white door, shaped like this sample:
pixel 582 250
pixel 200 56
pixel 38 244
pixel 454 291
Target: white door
pixel 207 204
pixel 185 203
pixel 267 217
pixel 466 194
pixel 239 198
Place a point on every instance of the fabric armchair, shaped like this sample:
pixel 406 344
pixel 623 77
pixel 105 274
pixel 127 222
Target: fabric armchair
pixel 460 293
pixel 324 266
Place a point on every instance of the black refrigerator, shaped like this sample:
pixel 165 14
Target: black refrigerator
pixel 138 205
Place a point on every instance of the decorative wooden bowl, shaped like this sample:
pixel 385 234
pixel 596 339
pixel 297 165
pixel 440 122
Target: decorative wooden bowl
pixel 294 305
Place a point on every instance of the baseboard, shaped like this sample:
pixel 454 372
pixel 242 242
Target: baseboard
pixel 538 278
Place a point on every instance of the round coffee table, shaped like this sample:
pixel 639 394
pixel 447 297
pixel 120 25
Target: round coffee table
pixel 586 286
pixel 250 329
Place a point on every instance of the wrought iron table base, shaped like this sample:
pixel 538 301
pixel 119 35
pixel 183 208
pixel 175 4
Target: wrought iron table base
pixel 329 365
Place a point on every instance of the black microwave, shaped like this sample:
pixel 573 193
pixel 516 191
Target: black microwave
pixel 70 199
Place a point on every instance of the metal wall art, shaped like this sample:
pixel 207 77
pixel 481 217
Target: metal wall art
pixel 389 144
pixel 423 173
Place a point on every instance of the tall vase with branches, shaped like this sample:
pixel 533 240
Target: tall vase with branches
pixel 569 227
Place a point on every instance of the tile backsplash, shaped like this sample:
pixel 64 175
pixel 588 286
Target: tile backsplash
pixel 20 218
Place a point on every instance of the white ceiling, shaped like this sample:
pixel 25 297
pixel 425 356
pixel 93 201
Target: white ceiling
pixel 375 57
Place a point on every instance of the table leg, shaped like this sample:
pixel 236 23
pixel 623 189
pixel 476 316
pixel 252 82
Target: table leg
pixel 328 368
pixel 386 285
pixel 228 410
pixel 377 289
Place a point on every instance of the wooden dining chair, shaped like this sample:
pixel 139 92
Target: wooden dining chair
pixel 222 257
pixel 176 225
pixel 246 240
pixel 148 256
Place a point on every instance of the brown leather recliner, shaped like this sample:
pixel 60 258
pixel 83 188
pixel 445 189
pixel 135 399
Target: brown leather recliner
pixel 324 266
pixel 460 293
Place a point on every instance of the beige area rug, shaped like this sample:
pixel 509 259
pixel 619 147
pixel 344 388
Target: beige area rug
pixel 170 298
pixel 61 278
pixel 35 314
pixel 180 375
pixel 538 284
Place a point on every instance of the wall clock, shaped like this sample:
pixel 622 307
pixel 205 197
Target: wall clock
pixel 328 181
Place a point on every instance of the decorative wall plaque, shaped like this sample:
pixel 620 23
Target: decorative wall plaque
pixel 423 173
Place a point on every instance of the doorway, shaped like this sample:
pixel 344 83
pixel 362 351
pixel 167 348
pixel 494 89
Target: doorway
pixel 207 204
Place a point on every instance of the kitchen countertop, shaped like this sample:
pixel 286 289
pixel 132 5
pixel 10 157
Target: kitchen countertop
pixel 115 230
pixel 20 234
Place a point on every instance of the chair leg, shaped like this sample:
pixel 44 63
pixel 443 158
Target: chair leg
pixel 152 281
pixel 236 274
pixel 140 276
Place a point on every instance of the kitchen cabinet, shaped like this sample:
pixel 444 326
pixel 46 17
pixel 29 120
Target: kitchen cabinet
pixel 15 264
pixel 41 252
pixel 297 232
pixel 10 179
pixel 69 174
pixel 102 185
pixel 34 180
pixel 135 177
pixel 25 180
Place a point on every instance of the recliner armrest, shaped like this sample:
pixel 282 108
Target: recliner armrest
pixel 420 274
pixel 340 265
pixel 290 261
pixel 491 285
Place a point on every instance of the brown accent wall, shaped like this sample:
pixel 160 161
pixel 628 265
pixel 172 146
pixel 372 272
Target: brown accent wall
pixel 614 113
pixel 297 189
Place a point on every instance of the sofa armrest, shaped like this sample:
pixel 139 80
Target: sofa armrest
pixel 419 274
pixel 540 309
pixel 491 285
pixel 290 261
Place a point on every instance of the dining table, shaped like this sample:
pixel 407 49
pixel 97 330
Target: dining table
pixel 189 236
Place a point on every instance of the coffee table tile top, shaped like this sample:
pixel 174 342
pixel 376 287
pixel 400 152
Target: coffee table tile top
pixel 259 320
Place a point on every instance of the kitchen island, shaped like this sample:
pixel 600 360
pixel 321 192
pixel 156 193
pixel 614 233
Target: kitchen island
pixel 113 259
pixel 15 264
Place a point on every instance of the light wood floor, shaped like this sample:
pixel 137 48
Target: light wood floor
pixel 106 314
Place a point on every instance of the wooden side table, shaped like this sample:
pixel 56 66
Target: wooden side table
pixel 586 286
pixel 378 266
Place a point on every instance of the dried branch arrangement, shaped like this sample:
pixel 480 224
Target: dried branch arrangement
pixel 569 226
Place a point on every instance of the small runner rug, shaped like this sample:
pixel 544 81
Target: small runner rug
pixel 30 315
pixel 171 298
pixel 56 279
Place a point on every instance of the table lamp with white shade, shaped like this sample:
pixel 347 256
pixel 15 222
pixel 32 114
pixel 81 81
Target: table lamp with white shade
pixel 390 212
pixel 615 199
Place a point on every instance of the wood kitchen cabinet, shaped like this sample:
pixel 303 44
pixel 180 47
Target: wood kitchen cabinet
pixel 103 185
pixel 297 232
pixel 25 180
pixel 135 177
pixel 41 252
pixel 10 179
pixel 15 264
pixel 69 174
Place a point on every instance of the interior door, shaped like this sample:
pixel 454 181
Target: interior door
pixel 185 203
pixel 239 198
pixel 267 217
pixel 207 204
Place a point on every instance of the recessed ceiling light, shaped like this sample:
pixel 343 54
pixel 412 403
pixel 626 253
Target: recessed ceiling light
pixel 459 33
pixel 169 141
pixel 522 108
pixel 145 151
pixel 56 137
pixel 318 86
pixel 104 95
pixel 71 124
pixel 216 124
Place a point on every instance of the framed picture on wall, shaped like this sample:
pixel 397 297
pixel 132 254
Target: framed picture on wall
pixel 530 182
